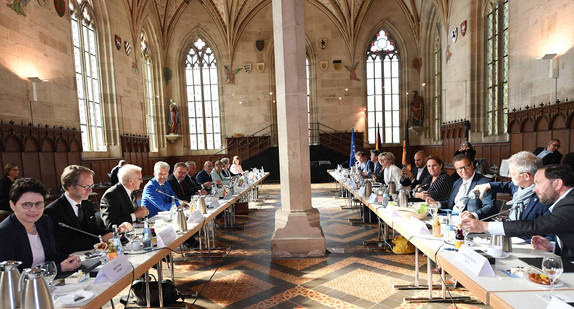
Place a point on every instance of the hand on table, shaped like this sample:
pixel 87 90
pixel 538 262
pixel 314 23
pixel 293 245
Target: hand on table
pixel 71 263
pixel 541 243
pixel 467 214
pixel 141 212
pixel 124 227
pixel 472 225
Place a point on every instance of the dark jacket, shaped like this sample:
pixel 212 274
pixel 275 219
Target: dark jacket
pixel 483 207
pixel 196 186
pixel 186 184
pixel 203 176
pixel 5 184
pixel 67 240
pixel 116 206
pixel 407 182
pixel 114 175
pixel 16 246
pixel 533 210
pixel 558 221
pixel 551 158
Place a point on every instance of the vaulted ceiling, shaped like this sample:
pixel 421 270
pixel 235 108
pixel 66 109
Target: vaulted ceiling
pixel 231 16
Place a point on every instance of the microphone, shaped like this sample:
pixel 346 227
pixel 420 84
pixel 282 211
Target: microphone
pixel 170 196
pixel 504 211
pixel 62 224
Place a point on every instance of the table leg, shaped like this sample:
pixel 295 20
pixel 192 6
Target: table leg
pixel 147 294
pixel 159 282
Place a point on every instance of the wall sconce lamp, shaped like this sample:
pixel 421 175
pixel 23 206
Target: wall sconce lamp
pixel 553 64
pixel 553 73
pixel 34 95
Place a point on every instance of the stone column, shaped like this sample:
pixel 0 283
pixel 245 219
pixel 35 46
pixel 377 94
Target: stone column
pixel 298 231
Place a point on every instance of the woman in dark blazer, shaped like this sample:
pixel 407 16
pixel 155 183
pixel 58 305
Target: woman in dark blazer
pixel 27 235
pixel 436 185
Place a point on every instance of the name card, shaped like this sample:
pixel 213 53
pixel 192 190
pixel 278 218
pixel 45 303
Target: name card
pixel 350 183
pixel 361 191
pixel 557 303
pixel 392 213
pixel 114 270
pixel 165 236
pixel 372 198
pixel 195 217
pixel 475 262
pixel 418 227
pixel 215 203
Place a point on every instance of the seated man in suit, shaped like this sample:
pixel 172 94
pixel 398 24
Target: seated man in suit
pixel 180 183
pixel 114 173
pixel 366 166
pixel 157 192
pixel 204 176
pixel 550 154
pixel 419 171
pixel 377 168
pixel 191 173
pixel 74 209
pixel 458 200
pixel 522 166
pixel 553 185
pixel 118 204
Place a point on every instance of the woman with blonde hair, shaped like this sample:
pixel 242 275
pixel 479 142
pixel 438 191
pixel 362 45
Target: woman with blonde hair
pixel 390 172
pixel 236 167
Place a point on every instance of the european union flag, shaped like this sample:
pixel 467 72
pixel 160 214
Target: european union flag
pixel 353 149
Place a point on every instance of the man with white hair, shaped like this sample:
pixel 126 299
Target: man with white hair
pixel 157 192
pixel 118 204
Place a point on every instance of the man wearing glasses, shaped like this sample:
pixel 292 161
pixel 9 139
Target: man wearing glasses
pixel 550 154
pixel 459 201
pixel 118 204
pixel 522 166
pixel 74 209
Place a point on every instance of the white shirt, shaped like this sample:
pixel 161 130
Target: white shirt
pixel 38 256
pixel 497 228
pixel 544 153
pixel 130 197
pixel 419 173
pixel 73 203
pixel 393 174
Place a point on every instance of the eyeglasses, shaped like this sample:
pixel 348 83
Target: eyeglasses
pixel 28 205
pixel 460 169
pixel 557 146
pixel 87 187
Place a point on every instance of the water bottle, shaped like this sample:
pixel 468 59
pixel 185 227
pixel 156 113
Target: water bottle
pixel 147 236
pixel 117 240
pixel 385 201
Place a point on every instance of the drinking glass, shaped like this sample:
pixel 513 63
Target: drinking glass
pixel 131 236
pixel 552 267
pixel 49 271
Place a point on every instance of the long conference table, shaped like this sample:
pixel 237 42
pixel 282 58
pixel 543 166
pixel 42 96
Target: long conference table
pixel 143 261
pixel 500 291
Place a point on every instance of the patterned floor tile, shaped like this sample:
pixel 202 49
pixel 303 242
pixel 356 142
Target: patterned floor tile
pixel 299 264
pixel 230 289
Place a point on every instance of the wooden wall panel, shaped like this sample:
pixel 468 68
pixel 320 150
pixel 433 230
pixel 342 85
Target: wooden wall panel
pixel 529 141
pixel 31 165
pixel 48 170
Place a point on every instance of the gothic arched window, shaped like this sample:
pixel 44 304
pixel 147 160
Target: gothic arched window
pixel 202 86
pixel 149 94
pixel 87 73
pixel 383 89
pixel 497 67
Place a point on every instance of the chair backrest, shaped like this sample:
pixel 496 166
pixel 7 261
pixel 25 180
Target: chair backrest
pixel 99 220
pixel 503 168
pixel 481 166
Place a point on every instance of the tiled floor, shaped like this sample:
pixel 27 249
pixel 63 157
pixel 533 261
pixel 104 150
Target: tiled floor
pixel 242 274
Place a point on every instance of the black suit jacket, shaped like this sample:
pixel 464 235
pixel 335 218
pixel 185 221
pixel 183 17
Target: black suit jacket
pixel 116 206
pixel 196 186
pixel 187 185
pixel 551 158
pixel 14 243
pixel 5 184
pixel 407 182
pixel 67 240
pixel 558 221
pixel 483 207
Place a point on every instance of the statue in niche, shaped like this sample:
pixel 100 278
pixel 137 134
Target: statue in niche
pixel 173 117
pixel 417 109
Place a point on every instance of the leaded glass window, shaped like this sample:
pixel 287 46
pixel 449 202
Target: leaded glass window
pixel 149 96
pixel 497 67
pixel 383 89
pixel 202 86
pixel 437 86
pixel 87 74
